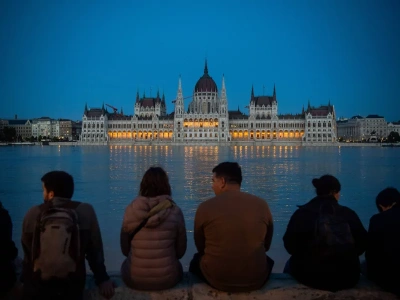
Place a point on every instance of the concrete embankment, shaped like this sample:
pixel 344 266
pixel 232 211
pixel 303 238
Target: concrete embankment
pixel 279 287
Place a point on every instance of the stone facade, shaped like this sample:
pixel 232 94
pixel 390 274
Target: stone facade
pixel 207 119
pixel 65 129
pixel 45 127
pixel 358 128
pixel 393 127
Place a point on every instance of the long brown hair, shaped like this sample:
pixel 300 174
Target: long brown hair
pixel 155 183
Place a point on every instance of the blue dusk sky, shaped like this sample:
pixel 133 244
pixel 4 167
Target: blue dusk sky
pixel 55 56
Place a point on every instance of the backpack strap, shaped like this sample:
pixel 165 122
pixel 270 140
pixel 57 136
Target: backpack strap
pixel 71 204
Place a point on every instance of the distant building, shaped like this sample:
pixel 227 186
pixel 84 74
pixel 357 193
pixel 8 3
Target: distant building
pixel 65 131
pixel 23 128
pixel 352 129
pixel 376 125
pixel 76 130
pixel 320 124
pixel 208 119
pixel 360 129
pixel 45 127
pixel 393 127
pixel 3 123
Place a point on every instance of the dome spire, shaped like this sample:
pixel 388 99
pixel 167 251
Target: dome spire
pixel 206 68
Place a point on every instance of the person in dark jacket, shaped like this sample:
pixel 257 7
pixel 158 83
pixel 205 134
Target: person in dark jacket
pixel 325 265
pixel 383 248
pixel 8 253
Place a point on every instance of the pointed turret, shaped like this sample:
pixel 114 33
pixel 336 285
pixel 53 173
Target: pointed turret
pixel 302 111
pixel 223 89
pixel 86 109
pixel 206 68
pixel 252 93
pixel 238 109
pixel 137 96
pixel 274 95
pixel 103 110
pixel 179 106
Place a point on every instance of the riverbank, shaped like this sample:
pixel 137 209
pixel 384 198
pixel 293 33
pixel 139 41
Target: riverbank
pixel 279 287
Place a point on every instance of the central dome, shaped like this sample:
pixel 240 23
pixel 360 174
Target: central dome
pixel 206 83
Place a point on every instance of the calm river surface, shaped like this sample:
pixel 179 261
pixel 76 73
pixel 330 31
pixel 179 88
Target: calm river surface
pixel 109 178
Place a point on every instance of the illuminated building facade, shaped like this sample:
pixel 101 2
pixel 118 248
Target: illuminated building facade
pixel 207 119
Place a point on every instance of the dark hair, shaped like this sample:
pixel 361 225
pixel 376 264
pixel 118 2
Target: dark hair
pixel 154 183
pixel 387 197
pixel 230 171
pixel 326 185
pixel 60 183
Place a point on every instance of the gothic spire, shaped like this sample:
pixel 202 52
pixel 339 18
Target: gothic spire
pixel 137 96
pixel 206 68
pixel 223 81
pixel 86 109
pixel 252 92
pixel 274 92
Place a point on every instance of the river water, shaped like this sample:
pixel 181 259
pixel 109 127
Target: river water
pixel 108 177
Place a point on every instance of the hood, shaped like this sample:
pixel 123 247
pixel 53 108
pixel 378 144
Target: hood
pixel 160 211
pixel 156 209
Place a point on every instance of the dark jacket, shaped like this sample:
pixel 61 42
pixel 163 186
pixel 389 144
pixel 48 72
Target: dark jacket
pixel 153 254
pixel 383 249
pixel 337 273
pixel 91 246
pixel 232 232
pixel 8 252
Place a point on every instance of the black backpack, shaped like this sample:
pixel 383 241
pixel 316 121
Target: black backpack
pixel 332 235
pixel 56 242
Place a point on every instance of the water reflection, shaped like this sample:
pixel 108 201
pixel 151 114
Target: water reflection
pixel 109 178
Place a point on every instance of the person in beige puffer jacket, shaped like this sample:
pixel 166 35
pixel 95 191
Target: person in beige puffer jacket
pixel 152 255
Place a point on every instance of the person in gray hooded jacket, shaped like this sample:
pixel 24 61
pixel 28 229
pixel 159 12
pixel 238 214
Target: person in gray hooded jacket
pixel 153 236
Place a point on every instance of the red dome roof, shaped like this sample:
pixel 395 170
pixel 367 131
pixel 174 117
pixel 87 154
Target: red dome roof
pixel 206 83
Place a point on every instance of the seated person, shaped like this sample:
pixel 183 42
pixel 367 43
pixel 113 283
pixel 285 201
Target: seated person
pixel 232 232
pixel 383 248
pixel 153 236
pixel 325 240
pixel 8 253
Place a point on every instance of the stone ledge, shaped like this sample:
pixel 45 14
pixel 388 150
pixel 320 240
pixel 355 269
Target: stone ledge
pixel 279 287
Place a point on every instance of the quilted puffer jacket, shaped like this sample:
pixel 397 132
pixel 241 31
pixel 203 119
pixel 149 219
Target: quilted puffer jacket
pixel 152 256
